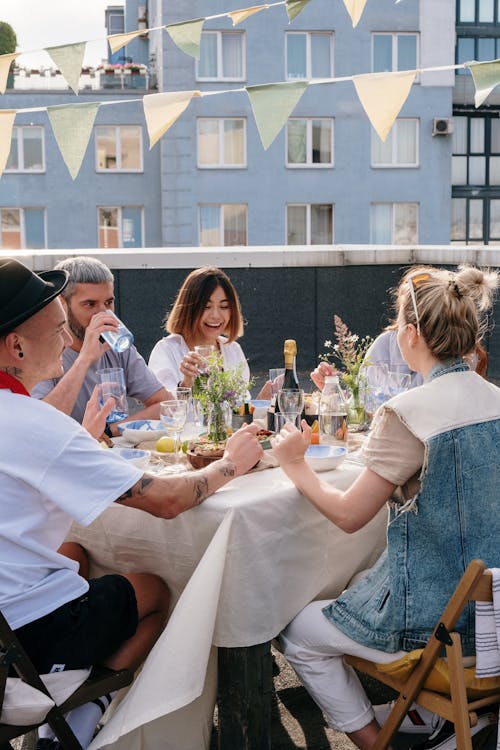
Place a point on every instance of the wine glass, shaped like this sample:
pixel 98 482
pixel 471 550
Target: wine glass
pixel 291 401
pixel 173 415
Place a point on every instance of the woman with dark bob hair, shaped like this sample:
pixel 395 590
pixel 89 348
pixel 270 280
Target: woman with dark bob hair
pixel 206 311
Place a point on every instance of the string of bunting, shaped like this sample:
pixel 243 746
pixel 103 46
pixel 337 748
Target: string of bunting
pixel 382 96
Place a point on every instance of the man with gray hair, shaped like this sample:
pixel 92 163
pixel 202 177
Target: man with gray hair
pixel 88 300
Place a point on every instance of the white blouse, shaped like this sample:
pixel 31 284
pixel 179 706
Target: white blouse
pixel 167 354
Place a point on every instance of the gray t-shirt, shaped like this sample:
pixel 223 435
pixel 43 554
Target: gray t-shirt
pixel 141 382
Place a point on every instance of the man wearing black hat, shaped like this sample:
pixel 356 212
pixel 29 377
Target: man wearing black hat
pixel 51 472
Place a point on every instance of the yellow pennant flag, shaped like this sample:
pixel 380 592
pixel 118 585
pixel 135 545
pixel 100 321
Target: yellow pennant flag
pixel 117 41
pixel 382 96
pixel 5 61
pixel 162 110
pixel 7 117
pixel 293 7
pixel 69 58
pixel 72 125
pixel 187 36
pixel 237 16
pixel 486 76
pixel 272 104
pixel 355 9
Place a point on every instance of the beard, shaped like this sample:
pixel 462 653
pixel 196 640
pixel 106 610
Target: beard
pixel 74 326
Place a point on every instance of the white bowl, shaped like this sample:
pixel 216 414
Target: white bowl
pixel 142 429
pixel 325 457
pixel 135 456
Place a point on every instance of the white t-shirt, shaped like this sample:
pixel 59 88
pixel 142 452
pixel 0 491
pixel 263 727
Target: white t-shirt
pixel 51 472
pixel 167 354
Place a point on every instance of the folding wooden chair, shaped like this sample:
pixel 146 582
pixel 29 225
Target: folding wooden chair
pixel 457 707
pixel 100 682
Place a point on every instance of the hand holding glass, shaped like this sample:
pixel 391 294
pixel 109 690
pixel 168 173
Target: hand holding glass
pixel 173 416
pixel 204 351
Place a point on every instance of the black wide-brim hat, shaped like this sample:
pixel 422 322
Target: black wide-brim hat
pixel 23 293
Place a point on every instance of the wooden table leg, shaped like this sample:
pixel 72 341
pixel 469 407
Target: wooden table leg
pixel 245 684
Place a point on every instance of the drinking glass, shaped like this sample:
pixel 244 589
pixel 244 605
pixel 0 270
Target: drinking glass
pixel 111 383
pixel 173 416
pixel 291 401
pixel 186 394
pixel 204 350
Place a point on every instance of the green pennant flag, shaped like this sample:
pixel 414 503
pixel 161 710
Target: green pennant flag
pixel 272 104
pixel 187 36
pixel 72 125
pixel 293 8
pixel 69 58
pixel 486 76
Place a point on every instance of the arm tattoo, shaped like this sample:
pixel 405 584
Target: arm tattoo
pixel 200 490
pixel 136 490
pixel 228 470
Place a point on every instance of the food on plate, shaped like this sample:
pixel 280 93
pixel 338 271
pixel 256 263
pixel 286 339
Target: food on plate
pixel 311 403
pixel 105 441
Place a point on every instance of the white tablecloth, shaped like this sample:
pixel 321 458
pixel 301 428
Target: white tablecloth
pixel 270 554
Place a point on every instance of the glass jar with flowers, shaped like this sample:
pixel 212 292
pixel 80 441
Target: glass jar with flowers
pixel 349 352
pixel 221 391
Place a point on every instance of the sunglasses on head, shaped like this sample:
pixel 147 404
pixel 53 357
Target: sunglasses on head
pixel 414 281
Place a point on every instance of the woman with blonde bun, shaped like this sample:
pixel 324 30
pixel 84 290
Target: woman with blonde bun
pixel 433 455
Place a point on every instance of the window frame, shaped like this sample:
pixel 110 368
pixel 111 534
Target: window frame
pixel 22 224
pixel 221 207
pixel 477 22
pixel 20 150
pixel 118 144
pixel 394 164
pixel 220 142
pixel 392 205
pixel 310 164
pixel 308 222
pixel 394 49
pixel 120 225
pixel 219 77
pixel 309 34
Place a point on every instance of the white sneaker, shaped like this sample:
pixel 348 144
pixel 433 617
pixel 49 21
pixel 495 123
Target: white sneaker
pixel 418 720
pixel 444 737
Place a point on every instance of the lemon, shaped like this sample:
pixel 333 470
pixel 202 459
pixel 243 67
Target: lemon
pixel 185 446
pixel 165 444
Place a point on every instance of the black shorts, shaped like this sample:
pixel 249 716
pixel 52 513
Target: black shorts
pixel 85 631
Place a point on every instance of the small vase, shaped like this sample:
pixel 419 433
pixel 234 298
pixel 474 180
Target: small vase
pixel 217 422
pixel 357 416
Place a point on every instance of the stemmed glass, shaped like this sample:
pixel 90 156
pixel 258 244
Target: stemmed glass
pixel 173 415
pixel 291 402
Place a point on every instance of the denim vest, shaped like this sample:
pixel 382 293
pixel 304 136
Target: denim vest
pixel 454 518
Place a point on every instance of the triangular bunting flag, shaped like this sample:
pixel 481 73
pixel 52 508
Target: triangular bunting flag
pixel 293 8
pixel 237 16
pixel 486 76
pixel 355 9
pixel 7 117
pixel 5 61
pixel 72 125
pixel 382 96
pixel 69 58
pixel 162 110
pixel 187 36
pixel 117 41
pixel 272 104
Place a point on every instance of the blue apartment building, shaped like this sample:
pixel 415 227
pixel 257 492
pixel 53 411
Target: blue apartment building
pixel 326 179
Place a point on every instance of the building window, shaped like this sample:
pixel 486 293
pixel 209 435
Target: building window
pixel 309 54
pixel 309 224
pixel 476 151
pixel 478 11
pixel 22 229
pixel 394 223
pixel 221 142
pixel 27 149
pixel 118 148
pixel 400 148
pixel 223 224
pixel 222 56
pixel 393 52
pixel 480 49
pixel 120 226
pixel 309 142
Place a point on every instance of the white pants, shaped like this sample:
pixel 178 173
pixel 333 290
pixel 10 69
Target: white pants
pixel 315 647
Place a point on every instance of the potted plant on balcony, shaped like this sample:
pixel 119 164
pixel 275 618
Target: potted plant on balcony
pixel 8 44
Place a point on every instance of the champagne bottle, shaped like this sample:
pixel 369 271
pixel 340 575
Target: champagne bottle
pixel 290 379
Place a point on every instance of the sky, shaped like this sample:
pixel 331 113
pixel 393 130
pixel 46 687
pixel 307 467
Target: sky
pixel 47 23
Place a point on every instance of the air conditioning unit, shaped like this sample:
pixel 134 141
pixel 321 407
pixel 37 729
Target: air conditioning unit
pixel 442 126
